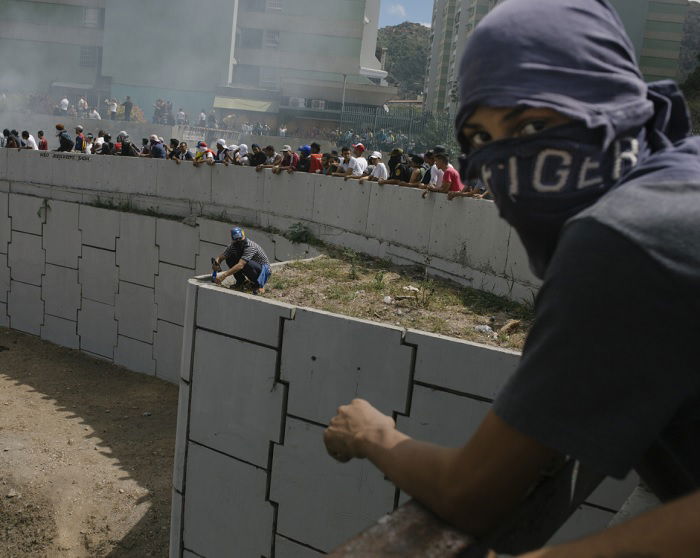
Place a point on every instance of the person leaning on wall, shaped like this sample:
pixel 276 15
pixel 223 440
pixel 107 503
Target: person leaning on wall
pixel 595 171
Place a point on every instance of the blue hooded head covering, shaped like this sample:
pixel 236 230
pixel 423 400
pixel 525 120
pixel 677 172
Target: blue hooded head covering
pixel 574 57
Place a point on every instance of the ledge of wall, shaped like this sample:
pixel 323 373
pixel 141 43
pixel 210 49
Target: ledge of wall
pixel 463 240
pixel 251 471
pixel 109 283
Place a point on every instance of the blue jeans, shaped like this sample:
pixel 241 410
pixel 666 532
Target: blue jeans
pixel 254 272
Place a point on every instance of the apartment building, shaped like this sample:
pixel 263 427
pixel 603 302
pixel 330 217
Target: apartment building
pixel 655 27
pixel 453 21
pixel 296 61
pixel 52 44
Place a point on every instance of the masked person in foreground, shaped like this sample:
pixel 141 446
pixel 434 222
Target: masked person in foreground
pixel 594 170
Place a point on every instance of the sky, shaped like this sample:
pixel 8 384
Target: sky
pixel 397 11
pixel 420 11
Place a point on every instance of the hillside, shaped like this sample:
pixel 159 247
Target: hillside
pixel 408 47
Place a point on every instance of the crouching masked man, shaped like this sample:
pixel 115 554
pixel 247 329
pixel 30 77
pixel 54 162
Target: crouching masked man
pixel 246 260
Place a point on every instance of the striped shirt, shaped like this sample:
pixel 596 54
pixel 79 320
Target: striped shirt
pixel 248 251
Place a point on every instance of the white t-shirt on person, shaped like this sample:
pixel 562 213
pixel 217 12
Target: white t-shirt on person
pixel 358 165
pixel 380 172
pixel 64 103
pixel 436 176
pixel 31 142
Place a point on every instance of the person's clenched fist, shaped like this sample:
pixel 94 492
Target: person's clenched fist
pixel 352 427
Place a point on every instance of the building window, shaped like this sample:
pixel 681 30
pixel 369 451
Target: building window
pixel 246 74
pixel 268 78
pixel 250 38
pixel 271 39
pixel 273 5
pixel 91 17
pixel 88 56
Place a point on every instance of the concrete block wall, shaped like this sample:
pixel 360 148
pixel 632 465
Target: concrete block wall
pixel 251 475
pixel 464 239
pixel 110 283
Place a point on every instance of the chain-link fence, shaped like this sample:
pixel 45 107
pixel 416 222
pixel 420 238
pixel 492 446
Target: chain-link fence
pixel 409 128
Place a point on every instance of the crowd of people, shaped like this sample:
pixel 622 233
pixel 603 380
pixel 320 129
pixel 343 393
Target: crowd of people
pixel 431 171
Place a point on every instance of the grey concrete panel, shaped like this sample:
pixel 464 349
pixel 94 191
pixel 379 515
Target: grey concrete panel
pixel 357 242
pixel 25 257
pixel 225 509
pixel 187 355
pixel 284 548
pixel 461 365
pixel 323 503
pixel 237 407
pixel 61 236
pixel 613 493
pixel 171 285
pixel 4 318
pixel 241 315
pixel 586 521
pixel 167 350
pixel 4 278
pixel 177 243
pixel 61 292
pixel 99 227
pixel 215 232
pixel 517 263
pixel 183 417
pixel 237 187
pixel 286 250
pixel 290 195
pixel 175 524
pixel 207 251
pixel 129 176
pixel 4 184
pixel 342 204
pixel 330 359
pixel 399 215
pixel 31 166
pixel 135 311
pixel 3 164
pixel 469 232
pixel 134 355
pixel 60 331
pixel 137 253
pixel 97 328
pixel 25 307
pixel 25 213
pixel 442 418
pixel 5 222
pixel 97 273
pixel 183 181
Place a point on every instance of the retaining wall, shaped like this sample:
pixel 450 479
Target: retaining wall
pixel 259 382
pixel 463 240
pixel 109 283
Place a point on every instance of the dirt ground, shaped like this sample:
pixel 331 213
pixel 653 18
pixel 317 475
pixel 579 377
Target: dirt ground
pixel 86 454
pixel 354 285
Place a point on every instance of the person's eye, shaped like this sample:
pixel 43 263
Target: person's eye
pixel 479 139
pixel 531 128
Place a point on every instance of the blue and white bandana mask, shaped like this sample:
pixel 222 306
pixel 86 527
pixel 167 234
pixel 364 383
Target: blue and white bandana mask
pixel 539 182
pixel 572 56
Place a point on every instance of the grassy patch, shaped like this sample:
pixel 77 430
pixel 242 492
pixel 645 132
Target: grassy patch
pixel 348 283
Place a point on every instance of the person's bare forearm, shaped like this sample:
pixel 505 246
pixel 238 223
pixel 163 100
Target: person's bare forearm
pixel 418 468
pixel 670 531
